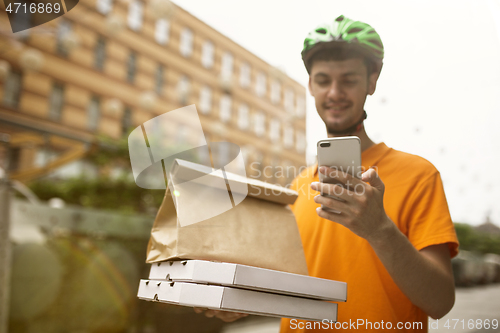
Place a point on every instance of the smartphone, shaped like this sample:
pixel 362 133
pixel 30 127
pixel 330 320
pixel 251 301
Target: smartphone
pixel 344 153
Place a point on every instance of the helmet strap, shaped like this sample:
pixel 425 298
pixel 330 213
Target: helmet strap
pixel 351 130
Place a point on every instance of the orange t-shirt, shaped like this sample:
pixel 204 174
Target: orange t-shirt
pixel 414 199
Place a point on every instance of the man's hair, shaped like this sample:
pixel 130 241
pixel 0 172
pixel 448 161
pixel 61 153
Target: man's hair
pixel 342 53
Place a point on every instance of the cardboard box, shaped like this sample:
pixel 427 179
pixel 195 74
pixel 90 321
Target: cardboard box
pixel 247 277
pixel 236 300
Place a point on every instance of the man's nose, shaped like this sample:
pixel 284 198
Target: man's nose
pixel 335 91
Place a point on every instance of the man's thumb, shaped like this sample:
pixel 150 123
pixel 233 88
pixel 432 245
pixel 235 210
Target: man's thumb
pixel 371 176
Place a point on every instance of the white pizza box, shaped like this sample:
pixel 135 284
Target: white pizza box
pixel 248 277
pixel 236 300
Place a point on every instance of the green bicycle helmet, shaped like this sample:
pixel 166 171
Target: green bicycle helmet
pixel 344 32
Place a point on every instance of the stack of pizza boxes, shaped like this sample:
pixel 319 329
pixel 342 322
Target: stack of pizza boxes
pixel 244 289
pixel 243 245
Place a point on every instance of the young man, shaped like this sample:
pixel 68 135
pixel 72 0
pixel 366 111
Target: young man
pixel 393 238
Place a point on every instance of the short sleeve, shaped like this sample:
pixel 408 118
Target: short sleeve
pixel 428 219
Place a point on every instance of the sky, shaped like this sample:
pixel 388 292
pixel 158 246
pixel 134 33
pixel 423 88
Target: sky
pixel 438 95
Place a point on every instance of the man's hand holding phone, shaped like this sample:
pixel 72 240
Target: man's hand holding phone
pixel 360 208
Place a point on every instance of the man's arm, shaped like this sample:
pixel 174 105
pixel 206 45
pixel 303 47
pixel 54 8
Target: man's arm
pixel 424 276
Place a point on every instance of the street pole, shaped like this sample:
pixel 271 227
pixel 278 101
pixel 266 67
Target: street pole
pixel 5 246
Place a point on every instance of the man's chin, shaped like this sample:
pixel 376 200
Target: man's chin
pixel 337 130
pixel 337 127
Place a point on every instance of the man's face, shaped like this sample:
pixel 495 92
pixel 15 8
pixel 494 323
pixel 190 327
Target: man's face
pixel 339 89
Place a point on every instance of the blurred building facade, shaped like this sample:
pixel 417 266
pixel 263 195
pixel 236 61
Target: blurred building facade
pixel 108 66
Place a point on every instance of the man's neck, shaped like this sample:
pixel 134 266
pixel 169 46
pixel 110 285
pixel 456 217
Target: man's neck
pixel 366 142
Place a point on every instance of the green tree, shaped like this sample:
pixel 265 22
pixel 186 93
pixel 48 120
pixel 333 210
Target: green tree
pixel 472 240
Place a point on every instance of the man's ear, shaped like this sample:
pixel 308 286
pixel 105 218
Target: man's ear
pixel 372 82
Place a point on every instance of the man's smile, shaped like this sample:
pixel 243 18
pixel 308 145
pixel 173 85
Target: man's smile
pixel 336 109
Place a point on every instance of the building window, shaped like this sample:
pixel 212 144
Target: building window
pixel 239 163
pixel 131 67
pixel 134 18
pixel 275 92
pixel 223 153
pixel 94 113
pixel 205 100
pixel 12 90
pixel 56 102
pixel 300 144
pixel 288 136
pixel 63 29
pixel 245 75
pixel 243 116
pixel 126 120
pixel 203 154
pixel 260 84
pixel 186 44
pixel 159 79
pixel 257 166
pixel 246 152
pixel 259 120
pixel 300 107
pixel 227 65
pixel 104 6
pixel 162 29
pixel 183 88
pixel 275 163
pixel 290 172
pixel 100 53
pixel 14 158
pixel 288 101
pixel 225 108
pixel 274 130
pixel 220 154
pixel 207 54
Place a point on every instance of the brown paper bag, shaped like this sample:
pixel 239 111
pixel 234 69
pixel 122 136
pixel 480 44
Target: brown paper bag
pixel 260 231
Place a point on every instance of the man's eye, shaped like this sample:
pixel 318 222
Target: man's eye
pixel 350 82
